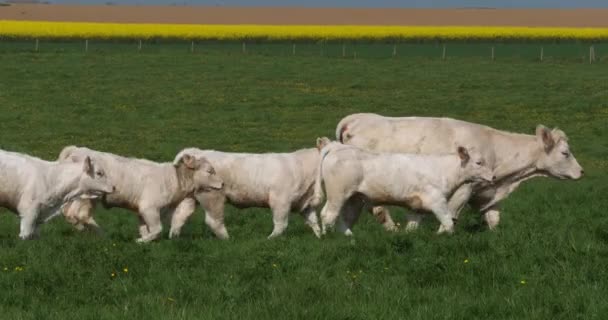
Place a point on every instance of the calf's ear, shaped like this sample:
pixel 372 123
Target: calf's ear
pixel 545 136
pixel 88 166
pixel 322 142
pixel 463 153
pixel 190 161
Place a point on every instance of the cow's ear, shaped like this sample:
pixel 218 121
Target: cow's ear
pixel 545 136
pixel 88 166
pixel 190 161
pixel 322 142
pixel 463 153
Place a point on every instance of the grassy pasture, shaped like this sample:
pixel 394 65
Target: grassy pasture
pixel 547 260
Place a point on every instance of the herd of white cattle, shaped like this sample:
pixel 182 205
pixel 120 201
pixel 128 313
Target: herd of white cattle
pixel 435 165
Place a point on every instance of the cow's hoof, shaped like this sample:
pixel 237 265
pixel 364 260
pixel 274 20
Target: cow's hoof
pixel 411 226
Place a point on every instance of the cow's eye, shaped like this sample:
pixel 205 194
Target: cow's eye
pixel 566 154
pixel 479 163
pixel 211 171
pixel 100 173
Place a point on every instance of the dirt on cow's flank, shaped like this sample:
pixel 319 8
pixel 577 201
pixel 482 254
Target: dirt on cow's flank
pixel 309 16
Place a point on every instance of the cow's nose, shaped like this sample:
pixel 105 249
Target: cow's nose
pixel 582 172
pixel 493 178
pixel 113 188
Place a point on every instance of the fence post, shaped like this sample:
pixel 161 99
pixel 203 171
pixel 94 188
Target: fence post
pixel 591 54
pixel 492 53
pixel 86 45
pixel 394 50
pixel 36 46
pixel 443 54
pixel 542 53
pixel 293 50
pixel 343 50
pixel 244 48
pixel 139 46
pixel 192 46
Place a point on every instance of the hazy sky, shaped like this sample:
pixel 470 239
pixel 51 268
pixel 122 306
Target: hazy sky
pixel 369 3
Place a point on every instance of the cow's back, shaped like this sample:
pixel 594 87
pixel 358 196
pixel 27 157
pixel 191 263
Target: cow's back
pixel 250 177
pixel 422 135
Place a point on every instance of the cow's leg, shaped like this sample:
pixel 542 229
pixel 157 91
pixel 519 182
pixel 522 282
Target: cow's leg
pixel 492 216
pixel 310 216
pixel 92 225
pixel 439 207
pixel 330 213
pixel 29 223
pixel 213 205
pixel 143 227
pixel 280 214
pixel 182 212
pixel 151 217
pixel 383 216
pixel 459 199
pixel 413 221
pixel 350 214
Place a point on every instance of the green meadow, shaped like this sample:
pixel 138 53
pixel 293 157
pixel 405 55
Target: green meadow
pixel 547 260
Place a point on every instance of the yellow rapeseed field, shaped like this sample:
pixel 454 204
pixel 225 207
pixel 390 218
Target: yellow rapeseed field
pixel 78 30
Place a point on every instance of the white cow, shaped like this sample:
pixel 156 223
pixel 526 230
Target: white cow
pixel 36 189
pixel 513 157
pixel 144 186
pixel 283 182
pixel 354 176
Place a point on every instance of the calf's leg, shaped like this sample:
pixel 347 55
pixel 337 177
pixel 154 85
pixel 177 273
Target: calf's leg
pixel 213 204
pixel 280 214
pixel 151 217
pixel 383 216
pixel 492 216
pixel 310 216
pixel 182 212
pixel 28 224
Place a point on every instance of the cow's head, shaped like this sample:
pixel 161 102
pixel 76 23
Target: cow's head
pixel 200 169
pixel 556 158
pixel 474 166
pixel 93 181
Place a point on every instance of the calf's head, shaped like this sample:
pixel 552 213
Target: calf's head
pixel 93 181
pixel 474 166
pixel 556 158
pixel 202 173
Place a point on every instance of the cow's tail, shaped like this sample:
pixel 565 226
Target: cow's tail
pixel 318 193
pixel 343 127
pixel 66 152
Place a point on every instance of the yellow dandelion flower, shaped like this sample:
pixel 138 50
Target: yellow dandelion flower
pixel 125 270
pixel 113 274
pixel 523 282
pixel 466 260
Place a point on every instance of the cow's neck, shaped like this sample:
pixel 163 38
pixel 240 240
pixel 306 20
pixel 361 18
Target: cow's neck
pixel 62 182
pixel 454 175
pixel 183 185
pixel 517 158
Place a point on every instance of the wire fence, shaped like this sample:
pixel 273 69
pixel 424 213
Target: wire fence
pixel 570 51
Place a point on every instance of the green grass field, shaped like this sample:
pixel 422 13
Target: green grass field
pixel 548 259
